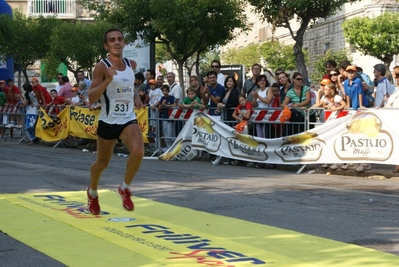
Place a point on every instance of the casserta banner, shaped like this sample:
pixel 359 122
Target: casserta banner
pixel 83 122
pixel 363 137
pixel 52 129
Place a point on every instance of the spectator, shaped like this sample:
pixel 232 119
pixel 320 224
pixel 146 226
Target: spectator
pixel 31 100
pixel 215 66
pixel 143 96
pixel 14 99
pixel 298 98
pixel 329 65
pixel 81 78
pixel 285 84
pixel 167 102
pixel 155 95
pixel 192 101
pixel 230 99
pixel 250 84
pixel 59 79
pixel 149 75
pixel 84 93
pixel 75 99
pixel 139 82
pixel 175 88
pixel 160 81
pixel 383 89
pixel 331 100
pixel 355 96
pixel 215 92
pixel 65 90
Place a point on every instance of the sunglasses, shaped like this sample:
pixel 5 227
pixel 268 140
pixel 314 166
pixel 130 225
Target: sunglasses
pixel 215 67
pixel 334 74
pixel 299 79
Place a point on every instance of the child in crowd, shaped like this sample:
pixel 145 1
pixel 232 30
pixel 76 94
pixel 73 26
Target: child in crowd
pixel 192 101
pixel 155 95
pixel 167 102
pixel 143 96
pixel 331 99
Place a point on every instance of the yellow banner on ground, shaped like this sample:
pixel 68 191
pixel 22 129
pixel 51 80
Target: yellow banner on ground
pixel 158 234
pixel 79 122
pixel 52 129
pixel 83 122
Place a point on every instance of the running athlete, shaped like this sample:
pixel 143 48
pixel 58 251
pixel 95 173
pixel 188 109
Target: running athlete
pixel 113 84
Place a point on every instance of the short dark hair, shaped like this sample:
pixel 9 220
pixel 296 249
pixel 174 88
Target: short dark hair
pixel 216 61
pixel 211 72
pixel 53 90
pixel 111 30
pixel 139 76
pixel 331 62
pixel 27 87
pixel 65 79
pixel 152 72
pixel 165 86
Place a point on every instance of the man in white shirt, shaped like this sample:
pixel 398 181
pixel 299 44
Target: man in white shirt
pixel 175 88
pixel 215 65
pixel 383 90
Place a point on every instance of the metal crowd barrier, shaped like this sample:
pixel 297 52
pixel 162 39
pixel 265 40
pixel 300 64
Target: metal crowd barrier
pixel 13 117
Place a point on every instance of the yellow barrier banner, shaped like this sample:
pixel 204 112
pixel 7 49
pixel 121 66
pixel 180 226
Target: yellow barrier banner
pixel 83 122
pixel 79 122
pixel 142 120
pixel 52 129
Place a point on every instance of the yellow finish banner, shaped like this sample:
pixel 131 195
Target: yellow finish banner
pixel 158 234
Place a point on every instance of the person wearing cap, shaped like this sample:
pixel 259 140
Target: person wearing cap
pixel 355 99
pixel 320 92
pixel 354 93
pixel 42 95
pixel 154 95
pixel 75 100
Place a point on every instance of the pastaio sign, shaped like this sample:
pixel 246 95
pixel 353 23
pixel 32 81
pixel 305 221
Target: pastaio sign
pixel 364 137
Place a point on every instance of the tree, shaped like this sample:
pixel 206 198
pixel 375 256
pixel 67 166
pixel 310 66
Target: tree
pixel 319 64
pixel 78 45
pixel 25 38
pixel 185 27
pixel 279 56
pixel 280 12
pixel 377 37
pixel 247 56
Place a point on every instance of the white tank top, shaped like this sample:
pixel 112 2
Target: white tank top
pixel 117 101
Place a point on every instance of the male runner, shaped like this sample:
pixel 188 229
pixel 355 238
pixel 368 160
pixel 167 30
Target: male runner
pixel 113 84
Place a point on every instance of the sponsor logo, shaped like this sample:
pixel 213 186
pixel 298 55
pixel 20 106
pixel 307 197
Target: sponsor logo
pixel 364 140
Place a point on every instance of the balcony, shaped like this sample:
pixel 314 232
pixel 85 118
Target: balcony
pixel 63 9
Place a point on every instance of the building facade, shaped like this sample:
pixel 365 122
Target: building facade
pixel 325 34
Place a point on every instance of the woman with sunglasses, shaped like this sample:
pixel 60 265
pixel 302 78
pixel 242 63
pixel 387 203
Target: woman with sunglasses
pixel 298 98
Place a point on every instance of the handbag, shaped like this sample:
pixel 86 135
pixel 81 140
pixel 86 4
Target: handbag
pixel 297 115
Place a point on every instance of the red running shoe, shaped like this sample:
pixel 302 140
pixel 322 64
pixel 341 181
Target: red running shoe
pixel 92 204
pixel 125 195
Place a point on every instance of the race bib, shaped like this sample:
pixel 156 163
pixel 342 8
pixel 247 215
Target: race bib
pixel 121 108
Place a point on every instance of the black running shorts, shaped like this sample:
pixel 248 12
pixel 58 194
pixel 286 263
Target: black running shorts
pixel 112 131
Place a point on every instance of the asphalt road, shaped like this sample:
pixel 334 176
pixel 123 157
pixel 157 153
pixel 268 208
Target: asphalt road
pixel 356 210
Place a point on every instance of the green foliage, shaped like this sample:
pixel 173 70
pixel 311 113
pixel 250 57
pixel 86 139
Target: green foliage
pixel 183 26
pixel 246 56
pixel 78 45
pixel 377 37
pixel 319 64
pixel 280 12
pixel 279 56
pixel 206 60
pixel 25 38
